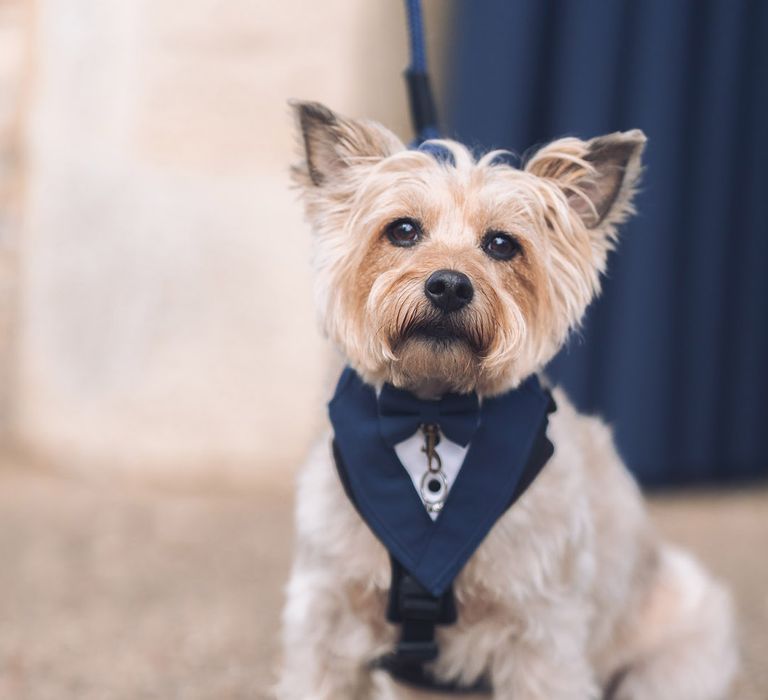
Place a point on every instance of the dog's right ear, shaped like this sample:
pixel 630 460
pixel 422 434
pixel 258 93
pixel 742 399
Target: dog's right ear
pixel 599 177
pixel 333 144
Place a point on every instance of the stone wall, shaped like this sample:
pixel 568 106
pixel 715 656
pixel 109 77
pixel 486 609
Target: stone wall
pixel 166 323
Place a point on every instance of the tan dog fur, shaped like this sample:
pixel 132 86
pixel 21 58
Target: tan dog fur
pixel 572 595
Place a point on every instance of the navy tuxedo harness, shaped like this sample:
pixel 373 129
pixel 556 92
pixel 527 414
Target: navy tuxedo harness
pixel 508 447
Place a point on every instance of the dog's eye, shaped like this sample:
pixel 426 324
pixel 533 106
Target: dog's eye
pixel 404 232
pixel 500 246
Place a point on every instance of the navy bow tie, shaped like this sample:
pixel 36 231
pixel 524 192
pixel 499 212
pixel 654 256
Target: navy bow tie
pixel 401 414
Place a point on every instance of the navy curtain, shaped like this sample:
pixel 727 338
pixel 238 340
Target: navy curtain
pixel 675 353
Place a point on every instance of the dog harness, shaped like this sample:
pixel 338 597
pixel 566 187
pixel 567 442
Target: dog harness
pixel 508 447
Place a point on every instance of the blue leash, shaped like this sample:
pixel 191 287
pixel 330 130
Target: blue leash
pixel 416 32
pixel 421 101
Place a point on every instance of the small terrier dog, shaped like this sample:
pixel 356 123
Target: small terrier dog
pixel 572 595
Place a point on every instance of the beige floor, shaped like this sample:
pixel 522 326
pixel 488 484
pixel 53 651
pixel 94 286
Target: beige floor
pixel 119 592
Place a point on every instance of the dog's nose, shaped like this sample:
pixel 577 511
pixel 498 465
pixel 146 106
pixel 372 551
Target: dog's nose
pixel 449 290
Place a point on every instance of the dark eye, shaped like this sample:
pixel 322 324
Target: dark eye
pixel 500 246
pixel 404 232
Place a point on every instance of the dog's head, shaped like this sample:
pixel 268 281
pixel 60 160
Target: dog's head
pixel 447 273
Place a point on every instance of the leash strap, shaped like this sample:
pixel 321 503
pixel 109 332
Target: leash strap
pixel 420 98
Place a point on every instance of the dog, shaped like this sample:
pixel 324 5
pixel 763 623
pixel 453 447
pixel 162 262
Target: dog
pixel 572 595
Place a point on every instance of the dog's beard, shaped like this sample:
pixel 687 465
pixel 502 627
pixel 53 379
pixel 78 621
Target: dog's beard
pixel 419 348
pixel 437 353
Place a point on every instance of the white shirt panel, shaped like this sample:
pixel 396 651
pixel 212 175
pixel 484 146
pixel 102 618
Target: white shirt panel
pixel 413 458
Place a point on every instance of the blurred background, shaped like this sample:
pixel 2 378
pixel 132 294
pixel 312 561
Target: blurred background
pixel 161 371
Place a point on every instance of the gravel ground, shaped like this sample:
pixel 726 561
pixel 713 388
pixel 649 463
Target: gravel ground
pixel 110 591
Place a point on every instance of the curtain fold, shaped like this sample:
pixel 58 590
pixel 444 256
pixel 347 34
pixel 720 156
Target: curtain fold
pixel 674 353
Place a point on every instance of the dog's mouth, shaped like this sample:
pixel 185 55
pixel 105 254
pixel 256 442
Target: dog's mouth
pixel 442 333
pixel 437 330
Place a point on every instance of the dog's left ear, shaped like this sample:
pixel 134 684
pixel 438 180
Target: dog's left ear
pixel 333 144
pixel 599 177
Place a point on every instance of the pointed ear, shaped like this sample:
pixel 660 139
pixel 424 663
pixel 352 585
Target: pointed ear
pixel 331 143
pixel 599 177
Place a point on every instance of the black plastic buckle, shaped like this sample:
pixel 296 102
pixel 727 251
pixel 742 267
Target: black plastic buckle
pixel 417 652
pixel 418 612
pixel 409 600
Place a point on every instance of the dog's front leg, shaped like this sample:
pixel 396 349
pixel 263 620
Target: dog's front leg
pixel 547 662
pixel 325 646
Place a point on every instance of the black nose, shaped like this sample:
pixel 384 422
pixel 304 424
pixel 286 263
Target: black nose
pixel 449 290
